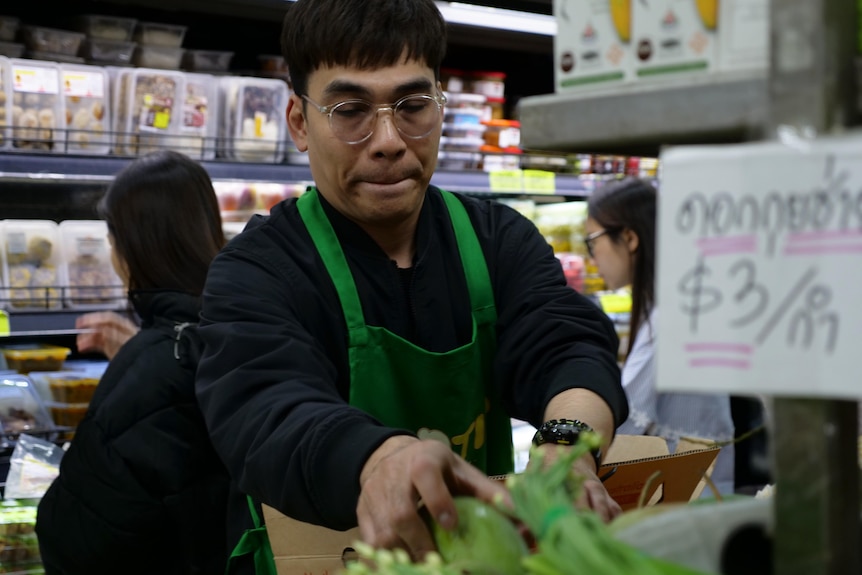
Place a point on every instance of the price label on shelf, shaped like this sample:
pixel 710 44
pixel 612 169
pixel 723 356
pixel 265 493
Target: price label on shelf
pixel 760 267
pixel 539 182
pixel 506 180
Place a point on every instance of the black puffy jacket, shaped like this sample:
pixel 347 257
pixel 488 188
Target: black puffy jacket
pixel 141 489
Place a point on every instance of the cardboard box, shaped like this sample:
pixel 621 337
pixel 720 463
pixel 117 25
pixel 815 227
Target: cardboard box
pixel 743 36
pixel 592 45
pixel 304 549
pixel 670 37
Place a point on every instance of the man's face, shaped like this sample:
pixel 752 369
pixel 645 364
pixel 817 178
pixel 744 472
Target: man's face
pixel 381 181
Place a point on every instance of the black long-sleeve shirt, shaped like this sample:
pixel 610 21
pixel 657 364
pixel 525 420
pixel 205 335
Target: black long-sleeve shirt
pixel 273 382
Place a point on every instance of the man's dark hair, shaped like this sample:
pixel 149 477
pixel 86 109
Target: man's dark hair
pixel 631 204
pixel 365 34
pixel 163 214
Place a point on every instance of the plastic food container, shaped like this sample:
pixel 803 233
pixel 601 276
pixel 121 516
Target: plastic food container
pixel 52 40
pixel 156 34
pixel 21 408
pixel 52 57
pixel 101 27
pixel 461 144
pixel 164 57
pixel 5 104
pixel 491 84
pixel 199 127
pixel 37 108
pixel 86 109
pixel 503 133
pixel 91 279
pixel 11 49
pixel 71 387
pixel 463 130
pixel 67 414
pixel 8 28
pixel 28 357
pixel 108 52
pixel 207 60
pixel 148 109
pixel 32 270
pixel 253 126
pixel 458 160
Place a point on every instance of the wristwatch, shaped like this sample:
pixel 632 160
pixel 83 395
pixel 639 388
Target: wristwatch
pixel 565 432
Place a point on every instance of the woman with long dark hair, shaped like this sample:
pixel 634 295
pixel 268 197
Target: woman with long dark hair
pixel 141 489
pixel 621 238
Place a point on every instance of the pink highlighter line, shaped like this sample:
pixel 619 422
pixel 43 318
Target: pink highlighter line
pixel 729 240
pixel 822 249
pixel 824 235
pixel 724 250
pixel 720 347
pixel 720 362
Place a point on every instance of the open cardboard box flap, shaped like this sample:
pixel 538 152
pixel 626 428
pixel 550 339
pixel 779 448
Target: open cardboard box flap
pixel 304 549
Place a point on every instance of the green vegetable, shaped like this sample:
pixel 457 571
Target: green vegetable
pixel 484 542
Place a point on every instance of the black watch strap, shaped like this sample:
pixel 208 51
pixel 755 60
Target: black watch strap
pixel 565 432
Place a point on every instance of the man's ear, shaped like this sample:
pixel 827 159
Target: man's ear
pixel 630 237
pixel 296 123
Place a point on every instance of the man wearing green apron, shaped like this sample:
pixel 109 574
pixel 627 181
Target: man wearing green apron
pixel 368 343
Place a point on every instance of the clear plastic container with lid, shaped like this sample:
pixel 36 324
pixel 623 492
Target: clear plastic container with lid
pixel 97 26
pixel 32 264
pixel 157 34
pixel 92 282
pixel 37 106
pixel 5 103
pixel 164 57
pixel 253 126
pixel 52 40
pixel 87 110
pixel 505 134
pixel 27 357
pixel 11 49
pixel 21 408
pixel 464 108
pixel 491 84
pixel 148 109
pixel 8 28
pixel 207 60
pixel 199 127
pixel 108 52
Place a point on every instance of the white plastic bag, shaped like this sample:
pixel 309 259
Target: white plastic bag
pixel 34 465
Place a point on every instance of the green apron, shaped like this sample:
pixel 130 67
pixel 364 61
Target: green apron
pixel 448 396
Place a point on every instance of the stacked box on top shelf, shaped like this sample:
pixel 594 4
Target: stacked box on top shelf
pixel 159 45
pixel 91 279
pixel 108 39
pixel 253 127
pixel 37 106
pixel 149 109
pixel 200 117
pixel 5 103
pixel 32 270
pixel 87 109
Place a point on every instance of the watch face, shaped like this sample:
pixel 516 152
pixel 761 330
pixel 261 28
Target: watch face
pixel 560 432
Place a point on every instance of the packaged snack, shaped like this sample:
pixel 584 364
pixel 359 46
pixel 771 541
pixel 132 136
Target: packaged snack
pixel 163 57
pixel 207 60
pixel 87 109
pixel 51 40
pixel 253 126
pixel 72 387
pixel 8 28
pixel 199 127
pixel 21 408
pixel 11 49
pixel 149 109
pixel 37 106
pixel 108 52
pixel 5 102
pixel 27 357
pixel 67 414
pixel 32 269
pixel 99 27
pixel 92 282
pixel 156 34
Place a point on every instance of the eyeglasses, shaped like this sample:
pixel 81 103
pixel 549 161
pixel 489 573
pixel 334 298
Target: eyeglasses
pixel 353 121
pixel 588 241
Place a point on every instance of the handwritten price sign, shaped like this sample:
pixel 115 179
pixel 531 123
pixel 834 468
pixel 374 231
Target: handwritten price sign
pixel 760 269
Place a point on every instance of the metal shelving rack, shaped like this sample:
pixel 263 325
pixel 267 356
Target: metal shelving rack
pixel 810 88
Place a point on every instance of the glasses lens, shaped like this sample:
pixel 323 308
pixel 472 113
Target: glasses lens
pixel 351 121
pixel 417 116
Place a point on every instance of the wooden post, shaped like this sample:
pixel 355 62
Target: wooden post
pixel 813 92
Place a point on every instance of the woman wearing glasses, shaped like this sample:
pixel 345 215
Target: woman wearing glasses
pixel 621 238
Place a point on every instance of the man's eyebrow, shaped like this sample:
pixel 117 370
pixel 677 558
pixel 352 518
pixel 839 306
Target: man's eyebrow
pixel 345 87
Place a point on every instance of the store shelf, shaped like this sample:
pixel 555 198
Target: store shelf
pixel 62 169
pixel 638 118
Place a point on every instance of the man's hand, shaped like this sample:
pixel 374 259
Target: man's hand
pixel 403 471
pixel 593 495
pixel 110 332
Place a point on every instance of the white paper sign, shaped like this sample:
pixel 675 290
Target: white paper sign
pixel 760 269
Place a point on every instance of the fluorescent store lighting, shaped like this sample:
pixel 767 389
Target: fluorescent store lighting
pixel 499 18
